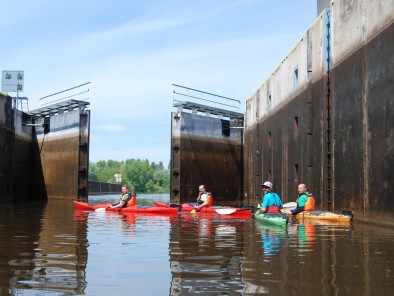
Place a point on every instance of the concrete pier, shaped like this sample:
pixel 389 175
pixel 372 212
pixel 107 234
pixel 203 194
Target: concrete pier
pixel 206 148
pixel 64 154
pixel 45 152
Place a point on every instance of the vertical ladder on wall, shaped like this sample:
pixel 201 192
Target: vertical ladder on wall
pixel 83 159
pixel 328 148
pixel 329 156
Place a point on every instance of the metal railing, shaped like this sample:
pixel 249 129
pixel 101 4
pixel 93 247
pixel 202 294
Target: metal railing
pixel 204 98
pixel 80 92
pixel 96 188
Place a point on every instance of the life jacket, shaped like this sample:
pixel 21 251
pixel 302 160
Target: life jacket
pixel 131 200
pixel 121 200
pixel 310 203
pixel 274 208
pixel 208 199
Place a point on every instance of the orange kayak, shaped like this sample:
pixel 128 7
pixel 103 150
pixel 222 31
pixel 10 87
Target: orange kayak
pixel 324 215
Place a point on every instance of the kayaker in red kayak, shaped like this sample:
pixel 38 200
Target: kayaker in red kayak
pixel 204 198
pixel 271 202
pixel 127 199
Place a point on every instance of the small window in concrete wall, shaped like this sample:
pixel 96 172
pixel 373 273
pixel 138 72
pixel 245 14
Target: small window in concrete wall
pixel 269 139
pixel 269 102
pixel 225 128
pixel 296 124
pixel 296 172
pixel 296 82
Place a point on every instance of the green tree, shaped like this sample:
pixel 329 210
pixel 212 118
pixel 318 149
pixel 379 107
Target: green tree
pixel 93 171
pixel 139 175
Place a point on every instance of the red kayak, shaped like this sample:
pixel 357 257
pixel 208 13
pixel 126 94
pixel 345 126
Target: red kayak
pixel 82 206
pixel 228 211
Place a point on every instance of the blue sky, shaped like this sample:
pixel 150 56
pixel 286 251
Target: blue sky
pixel 132 51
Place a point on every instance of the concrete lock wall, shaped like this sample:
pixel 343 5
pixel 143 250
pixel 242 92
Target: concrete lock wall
pixel 329 129
pixel 27 173
pixel 201 154
pixel 21 179
pixel 279 120
pixel 6 147
pixel 64 154
pixel 363 84
pixel 37 165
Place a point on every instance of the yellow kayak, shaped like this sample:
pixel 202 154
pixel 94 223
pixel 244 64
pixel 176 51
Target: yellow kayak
pixel 325 215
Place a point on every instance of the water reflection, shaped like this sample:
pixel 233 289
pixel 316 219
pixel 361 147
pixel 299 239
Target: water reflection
pixel 303 234
pixel 206 255
pixel 50 249
pixel 42 253
pixel 272 237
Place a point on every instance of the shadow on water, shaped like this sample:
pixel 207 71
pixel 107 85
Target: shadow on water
pixel 51 249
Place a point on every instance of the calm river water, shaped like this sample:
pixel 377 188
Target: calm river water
pixel 50 249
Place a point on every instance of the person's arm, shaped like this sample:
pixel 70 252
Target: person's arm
pixel 204 204
pixel 121 202
pixel 118 205
pixel 198 198
pixel 265 204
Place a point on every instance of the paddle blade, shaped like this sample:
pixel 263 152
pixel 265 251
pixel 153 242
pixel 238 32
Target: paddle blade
pixel 225 211
pixel 193 211
pixel 290 205
pixel 100 210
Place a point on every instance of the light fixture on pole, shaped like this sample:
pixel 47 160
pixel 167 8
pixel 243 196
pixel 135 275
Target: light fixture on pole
pixel 118 177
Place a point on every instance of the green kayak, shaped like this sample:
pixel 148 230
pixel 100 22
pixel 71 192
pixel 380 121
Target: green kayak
pixel 278 219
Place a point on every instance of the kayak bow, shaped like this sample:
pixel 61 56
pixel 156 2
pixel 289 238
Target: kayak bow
pixel 133 209
pixel 278 219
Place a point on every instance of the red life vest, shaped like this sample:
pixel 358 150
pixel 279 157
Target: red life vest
pixel 272 209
